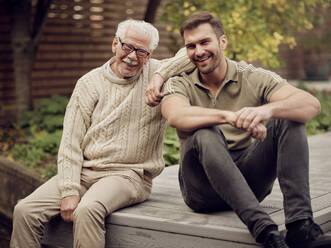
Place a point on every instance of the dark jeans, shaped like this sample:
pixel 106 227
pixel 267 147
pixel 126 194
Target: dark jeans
pixel 212 178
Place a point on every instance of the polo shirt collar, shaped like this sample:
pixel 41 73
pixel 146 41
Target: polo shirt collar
pixel 231 74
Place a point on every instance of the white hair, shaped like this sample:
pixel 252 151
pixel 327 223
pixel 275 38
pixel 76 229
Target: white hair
pixel 148 29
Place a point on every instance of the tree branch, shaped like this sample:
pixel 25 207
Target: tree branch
pixel 40 19
pixel 151 9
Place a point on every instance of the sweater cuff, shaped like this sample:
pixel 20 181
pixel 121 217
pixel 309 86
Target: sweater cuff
pixel 66 193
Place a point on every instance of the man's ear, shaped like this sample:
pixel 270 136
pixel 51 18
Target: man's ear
pixel 113 46
pixel 223 41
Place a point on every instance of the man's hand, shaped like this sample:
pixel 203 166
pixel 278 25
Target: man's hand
pixel 259 132
pixel 68 206
pixel 252 120
pixel 249 117
pixel 153 93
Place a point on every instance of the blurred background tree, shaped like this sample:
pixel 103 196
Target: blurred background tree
pixel 26 30
pixel 255 29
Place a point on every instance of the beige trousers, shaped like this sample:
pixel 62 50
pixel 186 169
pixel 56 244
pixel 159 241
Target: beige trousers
pixel 102 193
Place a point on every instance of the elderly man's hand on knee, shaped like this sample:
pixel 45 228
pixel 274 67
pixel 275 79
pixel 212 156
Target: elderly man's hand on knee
pixel 68 206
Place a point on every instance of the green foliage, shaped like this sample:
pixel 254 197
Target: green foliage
pixel 47 115
pixel 40 135
pixel 322 122
pixel 254 29
pixel 171 147
pixel 28 154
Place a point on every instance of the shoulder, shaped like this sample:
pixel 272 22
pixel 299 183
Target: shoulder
pixel 185 79
pixel 257 74
pixel 181 84
pixel 93 75
pixel 88 84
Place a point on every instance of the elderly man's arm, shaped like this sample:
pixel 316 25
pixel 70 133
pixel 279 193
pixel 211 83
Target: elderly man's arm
pixel 169 67
pixel 70 156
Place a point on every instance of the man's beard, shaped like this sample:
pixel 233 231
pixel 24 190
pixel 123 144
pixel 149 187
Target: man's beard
pixel 128 74
pixel 211 65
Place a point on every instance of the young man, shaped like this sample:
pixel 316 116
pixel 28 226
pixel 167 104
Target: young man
pixel 229 157
pixel 111 147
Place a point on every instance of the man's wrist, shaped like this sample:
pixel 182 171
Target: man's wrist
pixel 227 117
pixel 157 73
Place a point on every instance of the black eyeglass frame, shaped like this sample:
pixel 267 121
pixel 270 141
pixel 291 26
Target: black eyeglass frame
pixel 141 53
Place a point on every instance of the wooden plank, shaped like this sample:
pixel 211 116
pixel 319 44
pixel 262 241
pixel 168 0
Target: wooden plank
pixel 108 22
pixel 165 221
pixel 47 92
pixel 6 77
pixel 69 38
pixel 59 82
pixel 69 65
pixel 129 237
pixel 77 31
pixel 56 84
pixel 102 55
pixel 4 28
pixel 54 48
pixel 5 46
pixel 42 74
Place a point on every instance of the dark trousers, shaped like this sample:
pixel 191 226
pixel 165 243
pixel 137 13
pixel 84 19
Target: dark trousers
pixel 213 178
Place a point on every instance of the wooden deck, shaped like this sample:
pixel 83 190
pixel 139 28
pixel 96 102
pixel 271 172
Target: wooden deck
pixel 164 221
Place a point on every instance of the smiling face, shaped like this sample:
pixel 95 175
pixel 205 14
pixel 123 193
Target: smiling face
pixel 204 49
pixel 126 64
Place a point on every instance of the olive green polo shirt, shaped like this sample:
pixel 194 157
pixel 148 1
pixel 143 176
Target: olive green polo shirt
pixel 244 86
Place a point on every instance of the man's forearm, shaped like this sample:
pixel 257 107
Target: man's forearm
pixel 293 104
pixel 301 107
pixel 192 117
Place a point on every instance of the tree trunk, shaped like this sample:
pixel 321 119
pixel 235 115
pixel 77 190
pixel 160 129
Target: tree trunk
pixel 24 41
pixel 151 9
pixel 23 54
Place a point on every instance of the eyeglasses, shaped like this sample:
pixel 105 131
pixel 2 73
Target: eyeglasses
pixel 141 53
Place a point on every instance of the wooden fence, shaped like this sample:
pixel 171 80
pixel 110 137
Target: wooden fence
pixel 77 37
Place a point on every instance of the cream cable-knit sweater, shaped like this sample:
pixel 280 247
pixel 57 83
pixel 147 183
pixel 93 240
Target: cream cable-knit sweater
pixel 108 126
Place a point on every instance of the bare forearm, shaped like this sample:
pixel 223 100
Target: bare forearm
pixel 192 117
pixel 301 107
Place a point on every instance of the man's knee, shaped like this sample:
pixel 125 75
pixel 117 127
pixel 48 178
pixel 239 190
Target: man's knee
pixel 90 210
pixel 291 126
pixel 23 211
pixel 207 136
pixel 196 206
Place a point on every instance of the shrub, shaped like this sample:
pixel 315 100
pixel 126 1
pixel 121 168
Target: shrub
pixel 39 132
pixel 171 147
pixel 322 122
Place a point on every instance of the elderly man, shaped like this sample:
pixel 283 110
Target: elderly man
pixel 111 146
pixel 229 158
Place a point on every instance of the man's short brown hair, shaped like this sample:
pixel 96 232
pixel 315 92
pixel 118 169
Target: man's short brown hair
pixel 200 18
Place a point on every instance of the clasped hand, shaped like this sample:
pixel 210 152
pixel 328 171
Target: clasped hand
pixel 252 119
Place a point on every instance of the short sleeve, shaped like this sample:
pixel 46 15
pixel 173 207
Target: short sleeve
pixel 176 86
pixel 264 83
